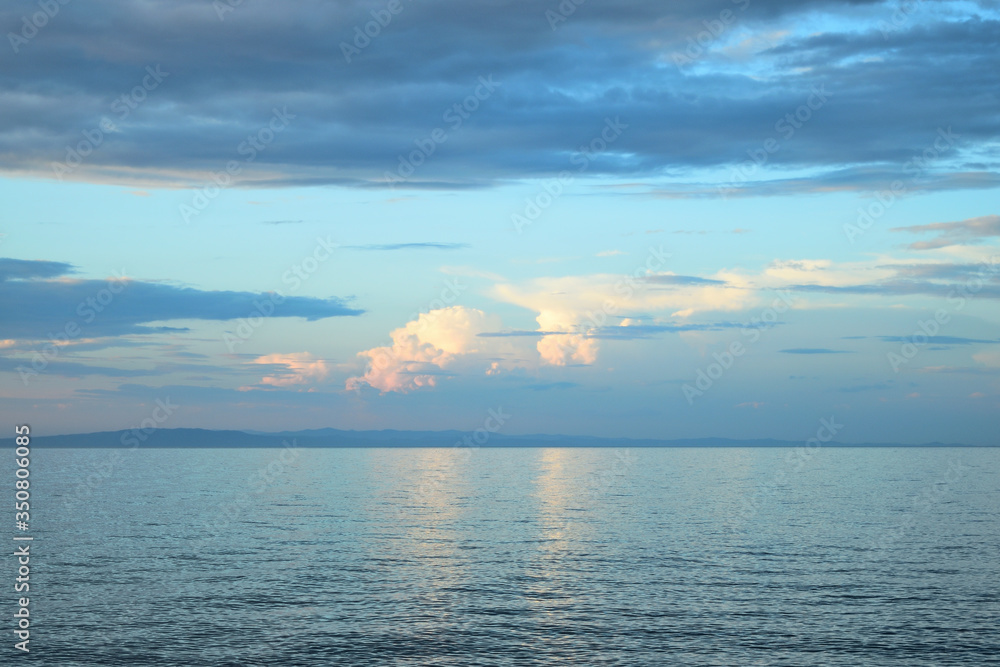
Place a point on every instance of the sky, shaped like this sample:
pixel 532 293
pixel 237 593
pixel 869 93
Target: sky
pixel 654 220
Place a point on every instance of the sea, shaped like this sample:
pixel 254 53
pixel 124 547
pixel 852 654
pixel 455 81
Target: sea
pixel 511 556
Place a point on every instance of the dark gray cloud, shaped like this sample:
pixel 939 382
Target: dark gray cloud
pixel 552 93
pixel 114 307
pixel 23 269
pixel 964 232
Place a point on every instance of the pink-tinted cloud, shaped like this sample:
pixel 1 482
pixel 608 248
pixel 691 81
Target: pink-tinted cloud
pixel 422 349
pixel 301 368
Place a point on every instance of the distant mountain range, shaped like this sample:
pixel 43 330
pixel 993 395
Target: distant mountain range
pixel 330 437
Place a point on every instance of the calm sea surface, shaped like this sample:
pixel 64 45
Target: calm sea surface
pixel 513 557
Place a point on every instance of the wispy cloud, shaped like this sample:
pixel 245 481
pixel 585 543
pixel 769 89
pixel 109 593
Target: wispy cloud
pixel 664 279
pixel 291 370
pixel 427 245
pixel 632 332
pixel 964 232
pixel 942 340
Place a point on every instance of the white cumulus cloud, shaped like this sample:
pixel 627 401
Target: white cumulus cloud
pixel 424 347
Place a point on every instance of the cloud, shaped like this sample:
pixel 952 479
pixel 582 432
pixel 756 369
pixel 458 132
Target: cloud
pixel 941 340
pixel 50 362
pixel 409 246
pixel 559 348
pixel 423 348
pixel 889 278
pixel 703 232
pixel 121 305
pixel 627 330
pixel 574 313
pixel 571 308
pixel 72 369
pixel 965 232
pixel 960 370
pixel 823 271
pixel 297 369
pixel 354 120
pixel 22 269
pixel 665 279
pixel 841 180
pixel 937 271
pixel 566 349
pixel 901 288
